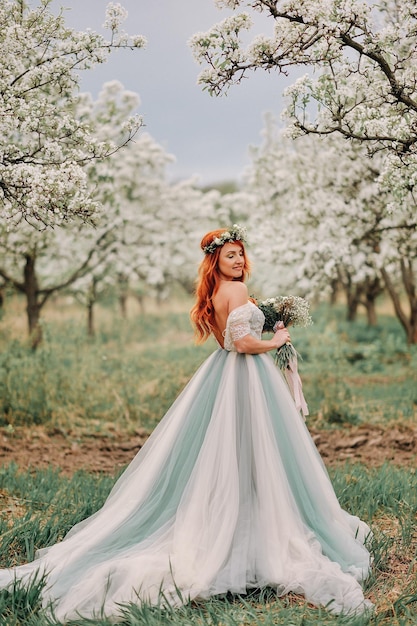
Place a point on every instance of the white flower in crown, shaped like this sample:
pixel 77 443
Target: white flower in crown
pixel 236 233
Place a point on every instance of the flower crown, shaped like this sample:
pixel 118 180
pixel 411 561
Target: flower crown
pixel 236 233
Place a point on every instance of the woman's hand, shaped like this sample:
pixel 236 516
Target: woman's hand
pixel 281 336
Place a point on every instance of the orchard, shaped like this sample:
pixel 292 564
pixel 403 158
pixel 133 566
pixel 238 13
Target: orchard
pixel 99 250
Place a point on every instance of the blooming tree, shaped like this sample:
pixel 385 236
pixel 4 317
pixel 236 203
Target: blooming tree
pixel 130 185
pixel 364 57
pixel 361 85
pixel 25 263
pixel 45 145
pixel 155 233
pixel 322 220
pixel 161 221
pixel 145 232
pixel 39 263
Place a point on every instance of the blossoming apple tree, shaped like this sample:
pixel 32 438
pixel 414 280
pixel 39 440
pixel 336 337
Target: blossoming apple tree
pixel 327 222
pixel 361 85
pixel 145 230
pixel 155 230
pixel 363 56
pixel 45 146
pixel 41 262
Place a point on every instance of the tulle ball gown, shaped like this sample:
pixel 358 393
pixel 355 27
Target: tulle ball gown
pixel 229 493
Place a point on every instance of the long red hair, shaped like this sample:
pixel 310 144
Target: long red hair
pixel 207 283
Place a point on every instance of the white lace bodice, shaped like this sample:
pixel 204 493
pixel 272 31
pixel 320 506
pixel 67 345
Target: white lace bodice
pixel 244 320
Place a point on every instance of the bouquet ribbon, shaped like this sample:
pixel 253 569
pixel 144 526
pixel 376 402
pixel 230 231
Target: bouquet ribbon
pixel 296 386
pixel 290 371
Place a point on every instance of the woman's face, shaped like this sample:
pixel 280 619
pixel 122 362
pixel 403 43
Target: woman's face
pixel 231 261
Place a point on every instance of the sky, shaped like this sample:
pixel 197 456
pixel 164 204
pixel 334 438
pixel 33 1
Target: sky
pixel 209 136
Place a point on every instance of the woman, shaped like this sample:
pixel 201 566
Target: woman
pixel 228 493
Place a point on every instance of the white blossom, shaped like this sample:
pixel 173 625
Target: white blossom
pixel 115 15
pixel 45 147
pixel 321 218
pixel 361 81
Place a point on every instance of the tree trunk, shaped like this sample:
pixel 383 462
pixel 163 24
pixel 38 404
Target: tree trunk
pixel 372 288
pixel 141 301
pixel 371 312
pixel 353 294
pixel 123 284
pixel 352 310
pixel 90 319
pixel 364 294
pixel 409 323
pixel 123 304
pixel 352 301
pixel 412 339
pixel 335 285
pixel 33 305
pixel 409 281
pixel 92 297
pixel 159 298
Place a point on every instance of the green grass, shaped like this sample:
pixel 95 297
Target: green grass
pixel 260 607
pixel 132 371
pixel 129 374
pixel 356 374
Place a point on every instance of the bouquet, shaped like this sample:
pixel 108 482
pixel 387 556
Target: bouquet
pixel 287 311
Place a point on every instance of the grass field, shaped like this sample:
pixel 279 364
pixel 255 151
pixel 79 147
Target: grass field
pixel 127 377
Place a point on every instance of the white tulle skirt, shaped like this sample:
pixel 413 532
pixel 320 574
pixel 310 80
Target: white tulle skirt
pixel 228 493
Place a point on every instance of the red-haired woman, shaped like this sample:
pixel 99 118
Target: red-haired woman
pixel 229 492
pixel 221 289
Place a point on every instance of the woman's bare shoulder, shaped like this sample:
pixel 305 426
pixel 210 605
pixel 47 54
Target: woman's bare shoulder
pixel 234 288
pixel 234 294
pixel 230 295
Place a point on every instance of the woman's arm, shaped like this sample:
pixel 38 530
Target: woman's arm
pixel 250 345
pixel 237 296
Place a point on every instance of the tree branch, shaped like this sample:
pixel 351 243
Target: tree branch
pixel 80 271
pixel 16 284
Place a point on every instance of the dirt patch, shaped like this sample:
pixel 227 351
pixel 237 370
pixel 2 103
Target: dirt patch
pixel 40 447
pixel 369 444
